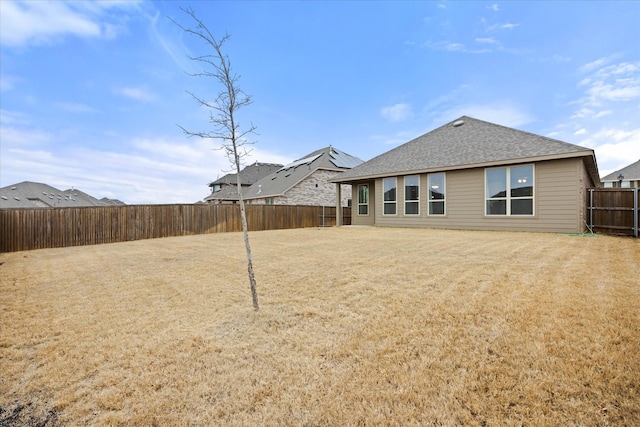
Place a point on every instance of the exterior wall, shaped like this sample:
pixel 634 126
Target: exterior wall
pixel 369 219
pixel 559 201
pixel 314 190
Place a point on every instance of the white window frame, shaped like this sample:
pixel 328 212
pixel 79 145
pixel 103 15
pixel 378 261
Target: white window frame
pixel 365 203
pixel 417 201
pixel 508 198
pixel 390 202
pixel 444 193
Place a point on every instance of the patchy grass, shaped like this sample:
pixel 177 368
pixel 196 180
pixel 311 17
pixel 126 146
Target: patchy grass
pixel 358 326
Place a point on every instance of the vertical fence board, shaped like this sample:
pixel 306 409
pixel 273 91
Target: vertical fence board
pixel 614 211
pixel 40 228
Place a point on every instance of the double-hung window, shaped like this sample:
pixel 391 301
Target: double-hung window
pixel 509 190
pixel 389 186
pixel 436 194
pixel 363 199
pixel 412 195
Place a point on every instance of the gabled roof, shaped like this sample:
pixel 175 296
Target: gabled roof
pixel 249 175
pixel 29 194
pixel 630 173
pixel 286 177
pixel 467 143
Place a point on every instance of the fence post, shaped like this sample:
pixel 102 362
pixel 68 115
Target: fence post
pixel 591 210
pixel 635 211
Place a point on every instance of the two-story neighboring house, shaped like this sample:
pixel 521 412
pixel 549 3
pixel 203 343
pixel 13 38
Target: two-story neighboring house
pixel 225 189
pixel 305 181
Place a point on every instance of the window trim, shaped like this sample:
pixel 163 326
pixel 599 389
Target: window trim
pixel 389 202
pixel 404 180
pixel 508 198
pixel 363 204
pixel 444 193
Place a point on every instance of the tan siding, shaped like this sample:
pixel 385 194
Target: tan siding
pixel 559 200
pixel 363 219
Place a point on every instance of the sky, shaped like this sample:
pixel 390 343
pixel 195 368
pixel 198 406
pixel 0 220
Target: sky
pixel 92 93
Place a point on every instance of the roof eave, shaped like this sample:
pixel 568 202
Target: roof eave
pixel 575 154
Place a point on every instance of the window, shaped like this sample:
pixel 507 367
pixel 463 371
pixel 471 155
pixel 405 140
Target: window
pixel 389 188
pixel 412 195
pixel 509 190
pixel 363 199
pixel 269 201
pixel 436 194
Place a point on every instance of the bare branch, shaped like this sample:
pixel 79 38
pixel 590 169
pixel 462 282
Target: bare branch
pixel 222 115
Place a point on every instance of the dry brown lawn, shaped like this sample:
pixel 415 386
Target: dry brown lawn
pixel 357 326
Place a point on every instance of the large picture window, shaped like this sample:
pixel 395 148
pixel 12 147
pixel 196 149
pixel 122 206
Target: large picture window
pixel 509 190
pixel 363 199
pixel 436 183
pixel 412 195
pixel 390 196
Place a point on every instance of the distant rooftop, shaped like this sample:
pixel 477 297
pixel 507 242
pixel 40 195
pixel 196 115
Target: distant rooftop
pixel 29 194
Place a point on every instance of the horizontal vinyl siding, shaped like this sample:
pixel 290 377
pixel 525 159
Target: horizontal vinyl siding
pixel 558 202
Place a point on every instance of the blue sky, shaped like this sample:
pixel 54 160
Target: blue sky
pixel 91 92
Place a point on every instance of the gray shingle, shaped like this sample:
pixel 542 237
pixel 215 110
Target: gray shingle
pixel 29 194
pixel 280 181
pixel 631 172
pixel 464 142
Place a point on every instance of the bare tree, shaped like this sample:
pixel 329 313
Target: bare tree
pixel 223 115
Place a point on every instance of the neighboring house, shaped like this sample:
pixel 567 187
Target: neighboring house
pixel 37 195
pixel 471 174
pixel 225 189
pixel 627 177
pixel 305 181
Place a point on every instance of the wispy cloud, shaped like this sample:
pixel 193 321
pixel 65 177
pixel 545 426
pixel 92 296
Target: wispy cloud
pixel 607 83
pixel 397 112
pixel 72 107
pixel 494 7
pixel 47 22
pixel 136 93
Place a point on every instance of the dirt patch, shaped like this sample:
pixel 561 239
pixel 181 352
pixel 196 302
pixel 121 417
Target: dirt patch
pixel 27 416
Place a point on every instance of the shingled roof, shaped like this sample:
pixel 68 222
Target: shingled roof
pixel 249 175
pixel 280 181
pixel 29 194
pixel 630 173
pixel 467 143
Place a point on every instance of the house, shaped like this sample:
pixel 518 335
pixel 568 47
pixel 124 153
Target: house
pixel 225 189
pixel 627 177
pixel 305 181
pixel 29 194
pixel 471 174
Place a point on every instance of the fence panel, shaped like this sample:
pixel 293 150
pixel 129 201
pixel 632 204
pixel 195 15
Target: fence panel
pixel 614 211
pixel 40 228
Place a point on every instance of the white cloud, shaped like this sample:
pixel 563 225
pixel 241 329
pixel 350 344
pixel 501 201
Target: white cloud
pixel 136 170
pixel 47 22
pixel 137 93
pixel 494 7
pixel 486 40
pixel 72 107
pixel 397 112
pixel 509 26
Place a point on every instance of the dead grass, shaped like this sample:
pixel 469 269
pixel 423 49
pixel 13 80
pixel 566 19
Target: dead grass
pixel 358 326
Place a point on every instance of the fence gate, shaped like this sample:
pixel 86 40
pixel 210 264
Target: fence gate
pixel 614 211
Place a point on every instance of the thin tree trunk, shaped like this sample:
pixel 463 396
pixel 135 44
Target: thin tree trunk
pixel 245 231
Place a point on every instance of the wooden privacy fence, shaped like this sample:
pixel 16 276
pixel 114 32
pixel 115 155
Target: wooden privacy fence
pixel 39 228
pixel 614 211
